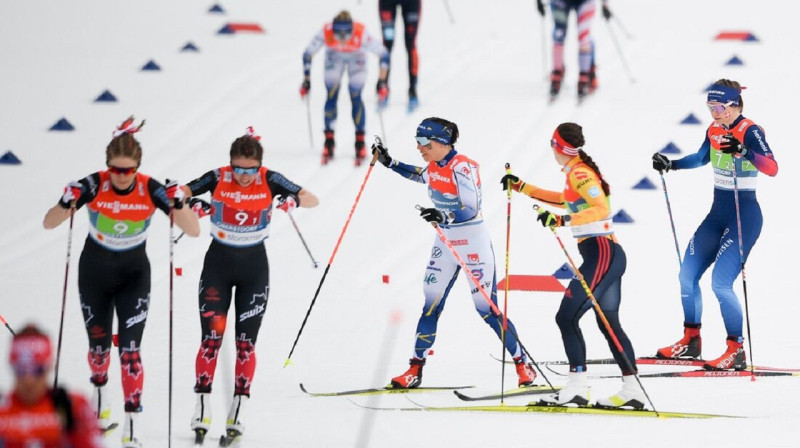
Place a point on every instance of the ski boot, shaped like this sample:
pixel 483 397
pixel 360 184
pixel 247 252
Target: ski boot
pixel 412 377
pixel 201 420
pixel 576 391
pixel 101 405
pixel 413 101
pixel 129 439
pixel 587 83
pixel 233 425
pixel 630 396
pixel 733 358
pixel 555 83
pixel 330 146
pixel 361 152
pixel 525 372
pixel 687 348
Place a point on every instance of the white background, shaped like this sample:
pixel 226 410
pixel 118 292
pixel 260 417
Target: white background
pixel 485 73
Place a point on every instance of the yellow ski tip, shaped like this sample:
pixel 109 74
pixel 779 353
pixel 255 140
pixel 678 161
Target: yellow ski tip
pixel 288 361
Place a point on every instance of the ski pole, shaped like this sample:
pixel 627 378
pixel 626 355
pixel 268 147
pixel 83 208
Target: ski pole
pixel 741 258
pixel 380 117
pixel 485 295
pixel 449 12
pixel 171 288
pixel 621 27
pixel 3 320
pixel 600 314
pixel 310 126
pixel 302 239
pixel 619 52
pixel 64 293
pixel 505 297
pixel 671 221
pixel 333 255
pixel 544 47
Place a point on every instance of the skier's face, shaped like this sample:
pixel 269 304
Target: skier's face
pixel 723 113
pixel 123 171
pixel 245 170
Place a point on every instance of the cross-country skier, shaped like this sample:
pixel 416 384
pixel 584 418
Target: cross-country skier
pixel 410 10
pixel 242 194
pixel 584 9
pixel 454 186
pixel 35 415
pixel 737 149
pixel 114 272
pixel 587 203
pixel 346 43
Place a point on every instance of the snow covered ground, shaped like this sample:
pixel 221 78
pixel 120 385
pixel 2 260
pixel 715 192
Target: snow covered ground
pixel 484 71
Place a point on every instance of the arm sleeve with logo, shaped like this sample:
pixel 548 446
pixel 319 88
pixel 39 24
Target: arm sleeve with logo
pixel 554 198
pixel 411 172
pixel 587 184
pixel 205 183
pixel 280 185
pixel 698 159
pixel 465 175
pixel 758 151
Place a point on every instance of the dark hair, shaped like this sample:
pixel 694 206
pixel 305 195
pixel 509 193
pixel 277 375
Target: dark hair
pixel 735 85
pixel 247 147
pixel 449 125
pixel 572 133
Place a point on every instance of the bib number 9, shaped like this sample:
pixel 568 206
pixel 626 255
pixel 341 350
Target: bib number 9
pixel 241 217
pixel 120 227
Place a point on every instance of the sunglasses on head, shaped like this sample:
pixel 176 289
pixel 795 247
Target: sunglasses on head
pixel 718 107
pixel 122 170
pixel 251 171
pixel 423 141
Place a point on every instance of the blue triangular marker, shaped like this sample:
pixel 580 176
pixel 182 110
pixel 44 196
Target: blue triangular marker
pixel 644 184
pixel 622 217
pixel 106 96
pixel 62 125
pixel 190 47
pixel 670 149
pixel 564 272
pixel 225 30
pixel 734 61
pixel 151 65
pixel 751 38
pixel 690 119
pixel 9 159
pixel 216 9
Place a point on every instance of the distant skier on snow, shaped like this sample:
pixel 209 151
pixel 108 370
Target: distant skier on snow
pixel 410 10
pixel 346 43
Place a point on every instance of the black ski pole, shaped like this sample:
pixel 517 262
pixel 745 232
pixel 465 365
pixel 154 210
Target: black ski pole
pixel 64 293
pixel 302 239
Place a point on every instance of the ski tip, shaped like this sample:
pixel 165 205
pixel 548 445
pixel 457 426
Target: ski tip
pixel 288 361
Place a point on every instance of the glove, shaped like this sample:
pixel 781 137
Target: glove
pixel 72 192
pixel 516 183
pixel 551 219
pixel 606 12
pixel 383 90
pixel 540 7
pixel 287 203
pixel 383 154
pixel 731 145
pixel 175 193
pixel 200 207
pixel 661 162
pixel 305 88
pixel 434 215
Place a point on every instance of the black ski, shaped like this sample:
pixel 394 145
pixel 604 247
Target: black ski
pixel 529 390
pixel 231 436
pixel 199 436
pixel 110 428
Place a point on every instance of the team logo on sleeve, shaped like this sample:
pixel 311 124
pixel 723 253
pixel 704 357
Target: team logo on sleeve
pixel 594 192
pixel 473 258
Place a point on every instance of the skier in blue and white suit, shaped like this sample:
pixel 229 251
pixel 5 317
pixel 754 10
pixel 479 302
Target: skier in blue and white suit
pixel 454 186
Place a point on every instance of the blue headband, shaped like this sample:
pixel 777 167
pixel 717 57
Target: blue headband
pixel 434 131
pixel 718 93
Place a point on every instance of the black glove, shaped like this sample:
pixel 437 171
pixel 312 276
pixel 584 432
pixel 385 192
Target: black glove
pixel 200 207
pixel 305 88
pixel 731 145
pixel 551 219
pixel 540 7
pixel 516 183
pixel 383 154
pixel 606 12
pixel 433 215
pixel 661 162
